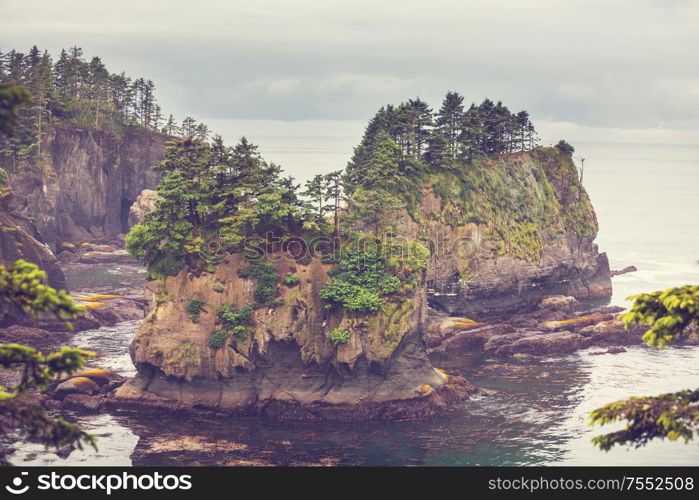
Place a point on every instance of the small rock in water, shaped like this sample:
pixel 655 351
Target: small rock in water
pixel 76 385
pixel 627 269
pixel 559 303
pixel 65 451
pixel 615 349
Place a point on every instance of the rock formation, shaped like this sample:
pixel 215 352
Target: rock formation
pixel 285 366
pixel 87 182
pixel 523 228
pixel 507 232
pixel 143 204
pixel 20 239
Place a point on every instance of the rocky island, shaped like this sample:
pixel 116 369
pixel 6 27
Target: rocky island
pixel 338 330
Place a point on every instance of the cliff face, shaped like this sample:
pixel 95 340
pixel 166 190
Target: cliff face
pixel 285 365
pixel 505 232
pixel 19 239
pixel 87 182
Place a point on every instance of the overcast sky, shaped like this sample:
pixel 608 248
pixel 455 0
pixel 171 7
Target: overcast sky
pixel 593 64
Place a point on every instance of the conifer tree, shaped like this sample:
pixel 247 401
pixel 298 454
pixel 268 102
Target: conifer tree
pixel 316 192
pixel 335 193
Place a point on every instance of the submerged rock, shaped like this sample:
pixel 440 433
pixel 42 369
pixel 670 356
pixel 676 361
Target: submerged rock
pixel 83 403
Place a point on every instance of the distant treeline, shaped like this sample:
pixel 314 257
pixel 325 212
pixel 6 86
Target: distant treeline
pixel 82 92
pixel 401 140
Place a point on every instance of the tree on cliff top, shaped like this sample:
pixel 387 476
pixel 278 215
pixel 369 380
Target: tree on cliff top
pixel 211 194
pixel 12 97
pixel 565 148
pixel 409 140
pixel 79 91
pixel 670 314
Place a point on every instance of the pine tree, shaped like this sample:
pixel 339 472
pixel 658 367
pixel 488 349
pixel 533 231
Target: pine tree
pixel 335 193
pixel 189 127
pixel 316 192
pixel 449 123
pixel 373 207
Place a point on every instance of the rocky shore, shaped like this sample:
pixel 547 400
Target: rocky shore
pixel 559 326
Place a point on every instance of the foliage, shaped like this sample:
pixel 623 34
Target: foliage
pixel 232 323
pixel 291 279
pixel 194 308
pixel 667 312
pixel 672 416
pixel 675 415
pixel 402 142
pixel 12 97
pixel 4 183
pixel 373 207
pixel 361 278
pixel 37 371
pixel 217 339
pixel 265 276
pixel 338 336
pixel 211 194
pixel 565 148
pixel 79 91
pixel 185 355
pixel 22 285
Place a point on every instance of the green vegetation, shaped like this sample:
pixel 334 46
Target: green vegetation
pixel 218 287
pixel 194 308
pixel 565 148
pixel 4 183
pixel 74 90
pixel 362 278
pixel 403 143
pixel 673 416
pixel 22 287
pixel 12 98
pixel 213 193
pixel 668 313
pixel 231 323
pixel 184 356
pixel 217 339
pixel 265 276
pixel 373 208
pixel 338 336
pixel 291 280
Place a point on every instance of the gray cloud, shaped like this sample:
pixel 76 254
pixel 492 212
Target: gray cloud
pixel 598 63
